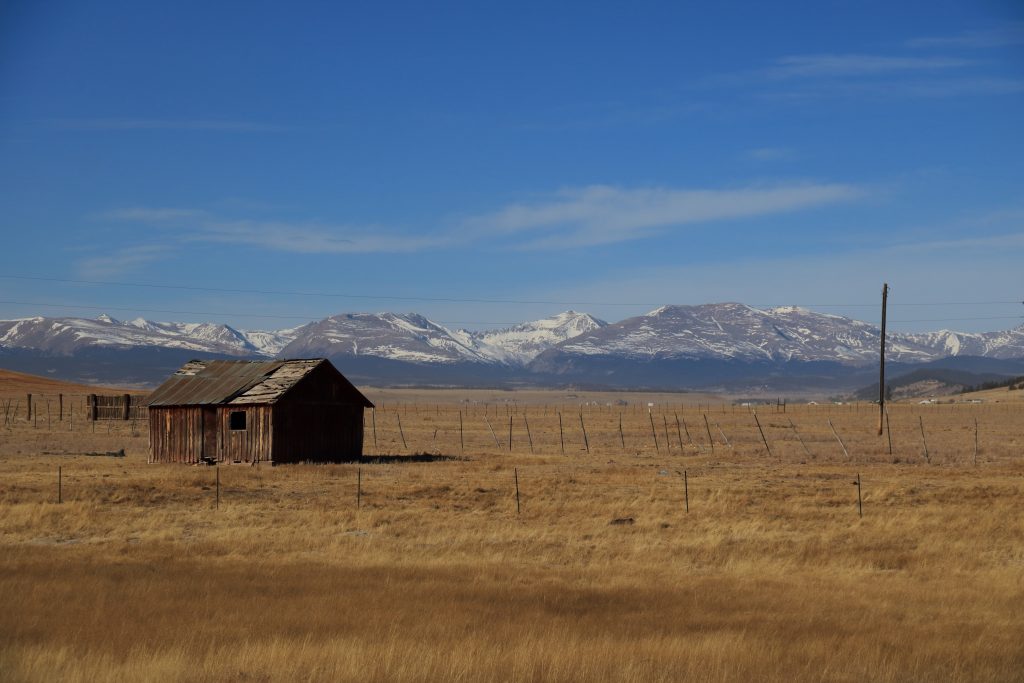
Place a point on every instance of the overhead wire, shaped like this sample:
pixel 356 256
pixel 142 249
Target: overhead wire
pixel 292 316
pixel 383 297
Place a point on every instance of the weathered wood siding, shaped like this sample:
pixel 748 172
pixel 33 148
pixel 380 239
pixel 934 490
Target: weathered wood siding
pixel 176 434
pixel 251 444
pixel 315 420
pixel 319 432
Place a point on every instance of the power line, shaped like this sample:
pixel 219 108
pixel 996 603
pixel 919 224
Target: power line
pixel 380 297
pixel 292 316
pixel 234 314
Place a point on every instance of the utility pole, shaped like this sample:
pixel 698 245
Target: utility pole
pixel 881 363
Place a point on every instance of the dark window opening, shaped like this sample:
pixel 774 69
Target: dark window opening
pixel 237 420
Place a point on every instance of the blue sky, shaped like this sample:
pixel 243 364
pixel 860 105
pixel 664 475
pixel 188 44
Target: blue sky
pixel 490 164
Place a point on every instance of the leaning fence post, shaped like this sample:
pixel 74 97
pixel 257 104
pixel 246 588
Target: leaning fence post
pixel 491 429
pixel 888 430
pixel 515 471
pixel 686 490
pixel 401 431
pixel 586 441
pixel 529 436
pixel 622 439
pixel 561 434
pixel 766 446
pixel 708 428
pixel 975 441
pixel 654 434
pixel 836 434
pixel 798 437
pixel 924 441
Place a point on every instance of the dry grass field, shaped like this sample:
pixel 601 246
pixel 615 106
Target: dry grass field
pixel 419 564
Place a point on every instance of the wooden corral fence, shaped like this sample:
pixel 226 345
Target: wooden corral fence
pixel 58 408
pixel 115 407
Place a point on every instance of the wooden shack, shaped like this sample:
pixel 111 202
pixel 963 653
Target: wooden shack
pixel 222 411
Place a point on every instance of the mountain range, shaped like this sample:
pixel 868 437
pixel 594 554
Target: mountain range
pixel 726 345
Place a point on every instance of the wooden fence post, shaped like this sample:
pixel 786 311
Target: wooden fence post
pixel 766 446
pixel 798 437
pixel 686 491
pixel 127 406
pixel 708 428
pixel 515 471
pixel 622 439
pixel 510 432
pixel 586 441
pixel 529 436
pixel 924 441
pixel 561 434
pixel 975 441
pixel 836 434
pixel 888 430
pixel 60 407
pixel 401 431
pixel 664 420
pixel 654 434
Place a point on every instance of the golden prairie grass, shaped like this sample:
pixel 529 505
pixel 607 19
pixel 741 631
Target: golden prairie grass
pixel 771 575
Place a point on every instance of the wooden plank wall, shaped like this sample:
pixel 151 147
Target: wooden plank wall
pixel 252 444
pixel 176 434
pixel 317 432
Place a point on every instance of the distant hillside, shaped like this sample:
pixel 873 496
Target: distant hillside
pixel 1011 384
pixel 17 384
pixel 930 381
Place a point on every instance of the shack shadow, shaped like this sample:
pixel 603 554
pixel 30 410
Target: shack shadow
pixel 411 458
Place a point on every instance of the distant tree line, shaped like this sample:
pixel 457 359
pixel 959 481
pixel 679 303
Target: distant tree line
pixel 1012 384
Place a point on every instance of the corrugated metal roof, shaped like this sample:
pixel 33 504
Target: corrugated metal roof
pixel 210 382
pixel 277 382
pixel 201 382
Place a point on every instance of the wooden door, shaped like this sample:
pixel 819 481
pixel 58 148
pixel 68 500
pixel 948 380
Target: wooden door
pixel 210 430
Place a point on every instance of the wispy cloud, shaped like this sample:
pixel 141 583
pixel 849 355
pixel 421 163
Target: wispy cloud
pixel 121 261
pixel 831 65
pixel 1000 36
pixel 166 124
pixel 605 215
pixel 575 217
pixel 312 238
pixel 182 225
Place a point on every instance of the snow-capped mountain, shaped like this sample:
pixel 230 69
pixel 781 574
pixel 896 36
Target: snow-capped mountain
pixel 520 344
pixel 413 338
pixel 66 336
pixel 732 331
pixel 672 346
pixel 407 337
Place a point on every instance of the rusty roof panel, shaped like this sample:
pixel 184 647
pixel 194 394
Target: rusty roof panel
pixel 241 382
pixel 273 385
pixel 210 382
